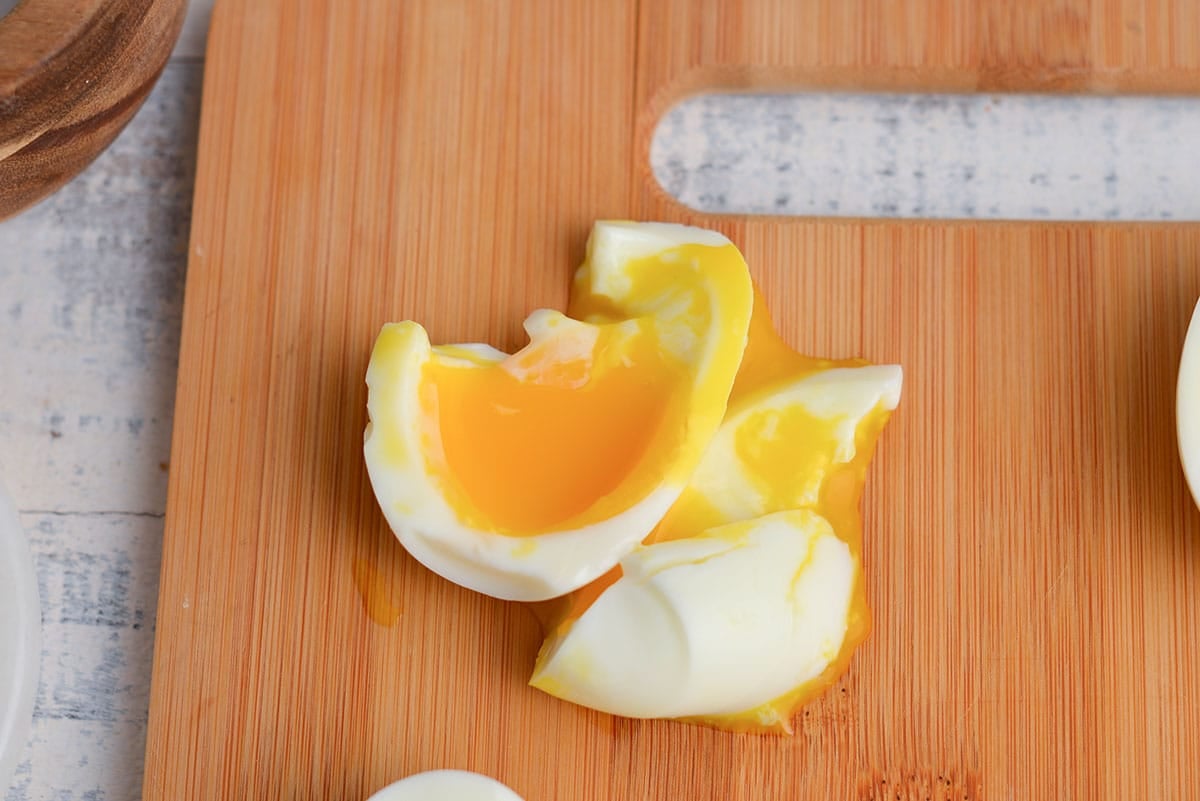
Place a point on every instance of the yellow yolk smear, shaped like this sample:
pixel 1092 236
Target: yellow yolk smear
pixel 667 285
pixel 791 455
pixel 768 360
pixel 539 440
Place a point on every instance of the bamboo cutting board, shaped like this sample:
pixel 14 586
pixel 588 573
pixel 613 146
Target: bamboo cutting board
pixel 1033 556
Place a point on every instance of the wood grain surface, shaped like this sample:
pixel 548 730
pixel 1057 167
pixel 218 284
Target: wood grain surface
pixel 1032 552
pixel 72 74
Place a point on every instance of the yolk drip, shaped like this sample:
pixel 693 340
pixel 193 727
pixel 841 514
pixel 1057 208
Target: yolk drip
pixel 380 597
pixel 768 359
pixel 537 441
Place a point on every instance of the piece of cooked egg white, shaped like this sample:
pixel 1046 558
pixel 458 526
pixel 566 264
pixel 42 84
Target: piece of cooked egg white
pixel 1187 406
pixel 711 625
pixel 526 476
pixel 778 447
pixel 446 785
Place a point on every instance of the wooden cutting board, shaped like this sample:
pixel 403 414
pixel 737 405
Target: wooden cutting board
pixel 1033 555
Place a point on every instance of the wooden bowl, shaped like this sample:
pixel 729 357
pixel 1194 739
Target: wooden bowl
pixel 72 73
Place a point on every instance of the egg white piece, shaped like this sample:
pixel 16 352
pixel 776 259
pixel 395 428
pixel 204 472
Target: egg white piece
pixel 543 565
pixel 715 624
pixel 446 785
pixel 1187 406
pixel 615 243
pixel 530 568
pixel 844 396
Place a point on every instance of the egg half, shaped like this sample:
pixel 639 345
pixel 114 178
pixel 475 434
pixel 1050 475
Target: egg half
pixel 526 476
pixel 748 598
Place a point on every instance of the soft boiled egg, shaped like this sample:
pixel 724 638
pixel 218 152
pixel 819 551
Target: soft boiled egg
pixel 748 598
pixel 1187 406
pixel 526 476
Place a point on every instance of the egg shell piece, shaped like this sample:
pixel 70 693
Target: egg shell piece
pixel 710 625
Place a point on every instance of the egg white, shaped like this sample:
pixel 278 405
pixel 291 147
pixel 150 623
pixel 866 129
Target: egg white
pixel 842 395
pixel 528 568
pixel 710 625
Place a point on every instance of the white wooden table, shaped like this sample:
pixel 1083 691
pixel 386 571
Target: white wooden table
pixel 91 291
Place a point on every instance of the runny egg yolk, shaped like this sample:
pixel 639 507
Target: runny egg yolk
pixel 577 426
pixel 515 435
pixel 786 453
pixel 789 452
pixel 768 359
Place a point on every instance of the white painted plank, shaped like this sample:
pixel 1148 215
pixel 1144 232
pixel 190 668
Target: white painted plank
pixel 944 156
pixel 98 581
pixel 91 292
pixel 195 31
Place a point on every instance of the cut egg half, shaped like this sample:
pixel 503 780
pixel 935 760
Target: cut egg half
pixel 526 476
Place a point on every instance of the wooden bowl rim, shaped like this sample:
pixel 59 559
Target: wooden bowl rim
pixel 72 73
pixel 34 32
pixel 52 54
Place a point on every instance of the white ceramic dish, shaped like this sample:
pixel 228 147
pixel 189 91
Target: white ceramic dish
pixel 20 639
pixel 446 785
pixel 1187 406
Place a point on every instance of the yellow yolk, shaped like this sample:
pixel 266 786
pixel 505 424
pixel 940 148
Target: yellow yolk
pixel 537 450
pixel 787 454
pixel 768 360
pixel 563 433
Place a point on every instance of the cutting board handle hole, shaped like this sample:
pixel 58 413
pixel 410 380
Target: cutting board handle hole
pixel 965 156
